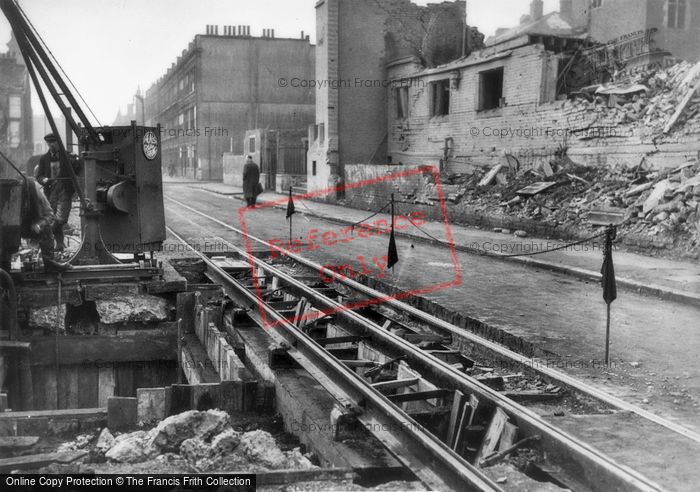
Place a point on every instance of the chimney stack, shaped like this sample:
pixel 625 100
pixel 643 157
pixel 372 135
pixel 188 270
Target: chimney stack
pixel 536 10
pixel 566 8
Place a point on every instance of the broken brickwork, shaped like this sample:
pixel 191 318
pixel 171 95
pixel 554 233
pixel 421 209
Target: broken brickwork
pixel 356 39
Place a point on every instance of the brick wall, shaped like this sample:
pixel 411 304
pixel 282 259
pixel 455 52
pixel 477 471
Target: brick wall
pixel 527 126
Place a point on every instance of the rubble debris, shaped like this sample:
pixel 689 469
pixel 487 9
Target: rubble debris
pixel 654 208
pixel 491 175
pixel 649 102
pixel 130 448
pixel 140 308
pixel 536 188
pixel 169 434
pixel 45 318
pixel 206 441
pixel 105 441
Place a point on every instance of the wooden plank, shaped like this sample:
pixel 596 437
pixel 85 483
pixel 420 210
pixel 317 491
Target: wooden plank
pixel 419 395
pixel 45 394
pixel 536 188
pixel 344 339
pixel 185 307
pixel 395 384
pixel 127 346
pixel 7 345
pixel 124 381
pixel 17 442
pixel 196 364
pixel 88 386
pixel 26 381
pixel 681 107
pixel 465 420
pixel 68 387
pixel 531 396
pixel 510 433
pixel 284 477
pixel 33 461
pixel 426 337
pixel 359 363
pixel 105 385
pixel 493 434
pixel 458 403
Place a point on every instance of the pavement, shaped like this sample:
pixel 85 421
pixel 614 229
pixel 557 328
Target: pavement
pixel 658 277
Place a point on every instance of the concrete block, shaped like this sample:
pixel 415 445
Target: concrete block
pixel 150 405
pixel 121 413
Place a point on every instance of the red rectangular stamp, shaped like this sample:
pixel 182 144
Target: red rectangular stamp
pixel 341 242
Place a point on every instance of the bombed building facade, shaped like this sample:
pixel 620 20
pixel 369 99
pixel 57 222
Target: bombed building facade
pixel 219 88
pixel 351 66
pixel 15 105
pixel 519 94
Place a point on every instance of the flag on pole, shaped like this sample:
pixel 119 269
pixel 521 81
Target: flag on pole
pixel 290 205
pixel 608 271
pixel 392 255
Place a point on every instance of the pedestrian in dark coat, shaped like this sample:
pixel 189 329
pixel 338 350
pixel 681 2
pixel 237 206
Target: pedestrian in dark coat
pixel 251 181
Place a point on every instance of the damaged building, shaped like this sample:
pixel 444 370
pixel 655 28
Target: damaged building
pixel 352 59
pixel 460 105
pixel 15 105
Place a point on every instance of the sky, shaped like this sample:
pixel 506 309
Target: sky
pixel 109 48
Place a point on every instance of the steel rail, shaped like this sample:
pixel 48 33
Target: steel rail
pixel 564 449
pixel 549 372
pixel 416 448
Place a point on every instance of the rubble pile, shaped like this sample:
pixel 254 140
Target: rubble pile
pixel 206 441
pixel 649 203
pixel 651 102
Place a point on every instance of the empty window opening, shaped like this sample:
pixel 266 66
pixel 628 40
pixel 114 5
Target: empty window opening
pixel 313 168
pixel 491 89
pixel 440 100
pixel 676 14
pixel 401 94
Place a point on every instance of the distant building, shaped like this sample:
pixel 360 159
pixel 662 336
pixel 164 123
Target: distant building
pixel 42 128
pixel 132 113
pixel 674 24
pixel 223 85
pixel 15 107
pixel 355 42
pixel 637 30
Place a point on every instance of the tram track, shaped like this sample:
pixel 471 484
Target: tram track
pixel 600 470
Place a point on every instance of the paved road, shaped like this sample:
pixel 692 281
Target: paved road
pixel 655 344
